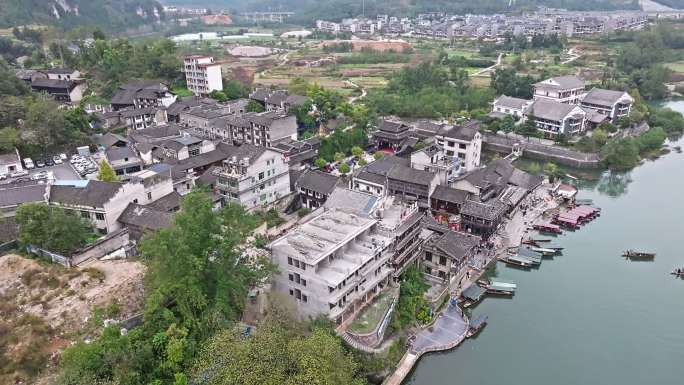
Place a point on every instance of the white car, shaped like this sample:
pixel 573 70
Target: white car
pixel 28 163
pixel 57 159
pixel 63 157
pixel 17 174
pixel 40 175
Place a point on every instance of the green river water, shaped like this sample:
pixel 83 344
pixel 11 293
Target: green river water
pixel 590 316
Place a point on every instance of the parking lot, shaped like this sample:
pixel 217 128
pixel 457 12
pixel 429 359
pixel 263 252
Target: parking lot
pixel 62 171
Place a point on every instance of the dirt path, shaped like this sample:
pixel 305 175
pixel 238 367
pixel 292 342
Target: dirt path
pixel 490 68
pixel 573 56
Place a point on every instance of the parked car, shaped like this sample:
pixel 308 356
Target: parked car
pixel 17 174
pixel 28 164
pixel 63 157
pixel 3 176
pixel 40 175
pixel 49 162
pixel 57 159
pixel 40 163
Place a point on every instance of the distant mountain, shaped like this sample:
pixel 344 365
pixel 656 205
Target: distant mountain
pixel 107 14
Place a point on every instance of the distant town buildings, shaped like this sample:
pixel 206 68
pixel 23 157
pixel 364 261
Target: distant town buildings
pixel 441 25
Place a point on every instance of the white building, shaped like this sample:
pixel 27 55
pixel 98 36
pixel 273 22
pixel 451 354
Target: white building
pixel 202 74
pixel 10 162
pixel 463 142
pixel 553 118
pixel 563 89
pixel 253 176
pixel 614 104
pixel 100 202
pixel 511 106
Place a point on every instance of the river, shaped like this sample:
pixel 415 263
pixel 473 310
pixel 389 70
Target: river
pixel 589 316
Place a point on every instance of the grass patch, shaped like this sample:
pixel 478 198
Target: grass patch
pixel 371 315
pixel 181 92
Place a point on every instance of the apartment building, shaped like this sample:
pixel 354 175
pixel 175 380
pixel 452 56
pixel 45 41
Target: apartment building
pixel 333 264
pixel 463 143
pixel 252 176
pixel 553 118
pixel 261 129
pixel 202 74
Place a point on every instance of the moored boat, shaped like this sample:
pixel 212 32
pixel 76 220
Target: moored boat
pixel 476 325
pixel 544 251
pixel 502 287
pixel 678 272
pixel 638 254
pixel 518 261
pixel 548 228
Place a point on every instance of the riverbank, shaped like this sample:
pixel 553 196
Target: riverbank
pixel 588 316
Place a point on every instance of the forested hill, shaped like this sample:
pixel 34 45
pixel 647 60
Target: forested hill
pixel 107 14
pixel 338 9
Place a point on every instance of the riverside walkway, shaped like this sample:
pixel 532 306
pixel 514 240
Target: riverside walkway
pixel 446 333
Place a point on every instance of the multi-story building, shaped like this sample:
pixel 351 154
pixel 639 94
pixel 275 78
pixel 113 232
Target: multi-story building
pixel 314 187
pixel 391 134
pixel 507 105
pixel 614 104
pixel 262 129
pixel 433 159
pixel 563 89
pixel 124 161
pixel 462 142
pixel 553 118
pixel 202 74
pixel 68 91
pixel 253 176
pixel 445 255
pixel 142 94
pixel 333 264
pixel 100 202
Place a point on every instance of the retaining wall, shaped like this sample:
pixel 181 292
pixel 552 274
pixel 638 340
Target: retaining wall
pixel 539 151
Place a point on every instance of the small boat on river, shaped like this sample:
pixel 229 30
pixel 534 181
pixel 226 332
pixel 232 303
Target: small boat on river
pixel 476 325
pixel 519 261
pixel 545 251
pixel 501 287
pixel 678 272
pixel 634 254
pixel 548 228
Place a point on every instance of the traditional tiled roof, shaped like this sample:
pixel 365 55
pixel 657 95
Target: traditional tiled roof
pixel 145 217
pixel 464 132
pixel 511 102
pixel 603 97
pixel 562 82
pixel 169 202
pixel 318 181
pixel 449 194
pixel 95 193
pixel 488 210
pixel 551 109
pixel 15 195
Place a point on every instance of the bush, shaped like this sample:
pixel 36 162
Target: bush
pixel 304 211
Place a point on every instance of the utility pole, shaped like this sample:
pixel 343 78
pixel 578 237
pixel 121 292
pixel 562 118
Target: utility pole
pixel 363 8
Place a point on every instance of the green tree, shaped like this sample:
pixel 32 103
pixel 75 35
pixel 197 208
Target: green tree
pixel 378 155
pixel 344 169
pixel 620 154
pixel 411 297
pixel 277 354
pixel 218 96
pixel 357 151
pixel 339 156
pixel 298 86
pixel 233 89
pixel 106 173
pixel 9 139
pixel 52 228
pixel 254 106
pixel 320 163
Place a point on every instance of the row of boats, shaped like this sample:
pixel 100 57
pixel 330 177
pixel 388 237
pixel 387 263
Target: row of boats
pixel 531 253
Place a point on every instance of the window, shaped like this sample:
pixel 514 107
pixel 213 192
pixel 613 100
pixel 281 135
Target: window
pixel 305 298
pixel 462 146
pixel 135 200
pixel 289 261
pixel 99 216
pixel 428 270
pixel 85 214
pixel 442 260
pixel 303 282
pixel 290 277
pixel 450 143
pixel 428 256
pixel 149 196
pixel 291 292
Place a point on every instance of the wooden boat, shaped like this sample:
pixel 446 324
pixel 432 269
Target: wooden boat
pixel 552 247
pixel 518 261
pixel 549 228
pixel 679 272
pixel 476 325
pixel 538 240
pixel 502 288
pixel 584 201
pixel 638 254
pixel 531 255
pixel 472 295
pixel 544 251
pixel 483 282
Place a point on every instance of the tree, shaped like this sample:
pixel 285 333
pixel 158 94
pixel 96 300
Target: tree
pixel 320 163
pixel 411 297
pixel 233 89
pixel 344 169
pixel 378 155
pixel 277 354
pixel 98 34
pixel 298 86
pixel 339 156
pixel 9 139
pixel 254 106
pixel 620 154
pixel 52 228
pixel 218 96
pixel 106 173
pixel 357 151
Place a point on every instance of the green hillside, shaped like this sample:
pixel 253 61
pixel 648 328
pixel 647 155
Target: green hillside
pixel 107 14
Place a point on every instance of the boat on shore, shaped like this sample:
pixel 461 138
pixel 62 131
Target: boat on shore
pixel 634 254
pixel 476 325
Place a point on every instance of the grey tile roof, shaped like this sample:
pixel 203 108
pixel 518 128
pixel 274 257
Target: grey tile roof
pixel 456 245
pixel 392 126
pixel 66 85
pixel 497 172
pixel 16 195
pixel 525 180
pixel 564 82
pixel 145 217
pixel 317 181
pixel 95 193
pixel 110 139
pixel 157 132
pixel 511 102
pixel 209 177
pixel 242 151
pixel 410 175
pixel 449 194
pixel 169 202
pixel 119 153
pixel 371 177
pixel 488 210
pixel 260 94
pixel 550 109
pixel 277 98
pixel 603 97
pixel 465 131
pixel 9 158
pixel 296 100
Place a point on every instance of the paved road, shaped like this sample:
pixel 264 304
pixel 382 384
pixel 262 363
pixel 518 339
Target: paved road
pixel 446 332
